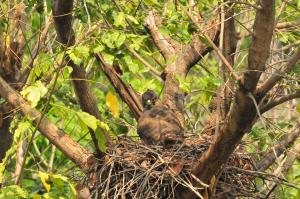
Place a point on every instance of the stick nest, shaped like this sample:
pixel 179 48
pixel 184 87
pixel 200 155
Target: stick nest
pixel 132 169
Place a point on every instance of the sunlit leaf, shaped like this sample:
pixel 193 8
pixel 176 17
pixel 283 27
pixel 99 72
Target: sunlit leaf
pixel 44 178
pixel 132 19
pixel 78 54
pixel 13 191
pixel 113 104
pixel 89 120
pixel 119 20
pixel 34 92
pixel 120 40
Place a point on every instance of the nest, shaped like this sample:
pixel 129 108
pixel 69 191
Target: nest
pixel 134 170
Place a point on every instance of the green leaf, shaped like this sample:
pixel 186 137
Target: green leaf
pixel 13 191
pixel 99 133
pixel 151 2
pixel 133 67
pixel 79 54
pixel 98 48
pixel 43 63
pixel 120 40
pixel 89 120
pixel 298 107
pixel 108 40
pixel 119 20
pixel 108 58
pixel 132 19
pixel 34 93
pixel 204 40
pixel 60 180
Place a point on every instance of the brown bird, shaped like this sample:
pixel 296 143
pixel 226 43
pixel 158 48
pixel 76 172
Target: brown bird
pixel 158 124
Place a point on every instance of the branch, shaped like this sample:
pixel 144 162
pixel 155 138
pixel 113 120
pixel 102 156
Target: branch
pixel 286 25
pixel 260 46
pixel 213 45
pixel 229 48
pixel 56 136
pixel 283 168
pixel 62 14
pixel 270 156
pixel 196 50
pixel 279 26
pixel 271 82
pixel 127 93
pixel 242 113
pixel 159 40
pixel 190 55
pixel 279 101
pixel 36 50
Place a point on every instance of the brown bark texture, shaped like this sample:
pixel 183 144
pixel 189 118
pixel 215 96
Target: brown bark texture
pixel 242 113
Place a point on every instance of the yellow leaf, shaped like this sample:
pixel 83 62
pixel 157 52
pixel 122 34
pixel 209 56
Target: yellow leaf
pixel 113 104
pixel 44 177
pixel 7 40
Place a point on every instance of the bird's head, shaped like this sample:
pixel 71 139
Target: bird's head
pixel 149 99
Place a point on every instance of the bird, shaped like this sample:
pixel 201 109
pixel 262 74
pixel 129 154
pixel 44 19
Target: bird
pixel 158 125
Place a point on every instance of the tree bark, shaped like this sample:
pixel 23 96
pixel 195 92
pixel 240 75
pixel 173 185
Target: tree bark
pixel 242 113
pixel 5 135
pixel 62 14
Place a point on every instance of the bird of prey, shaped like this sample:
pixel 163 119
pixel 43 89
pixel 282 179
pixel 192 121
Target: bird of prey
pixel 158 124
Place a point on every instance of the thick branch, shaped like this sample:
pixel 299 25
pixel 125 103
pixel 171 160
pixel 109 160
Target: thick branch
pixel 5 135
pixel 271 82
pixel 213 45
pixel 279 101
pixel 179 68
pixel 127 94
pixel 229 48
pixel 260 46
pixel 196 50
pixel 242 114
pixel 159 40
pixel 270 156
pixel 62 13
pixel 62 141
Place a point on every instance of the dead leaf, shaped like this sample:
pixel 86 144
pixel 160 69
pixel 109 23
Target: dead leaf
pixel 144 164
pixel 19 10
pixel 176 167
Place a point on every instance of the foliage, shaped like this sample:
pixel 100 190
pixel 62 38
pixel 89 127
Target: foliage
pixel 115 29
